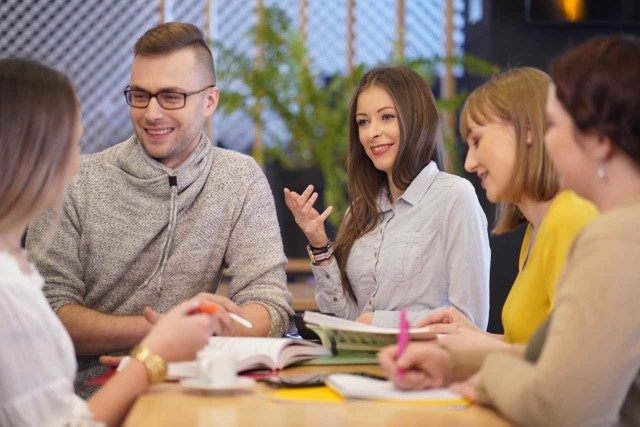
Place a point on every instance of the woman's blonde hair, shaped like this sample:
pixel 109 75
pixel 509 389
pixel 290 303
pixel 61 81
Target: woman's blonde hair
pixel 517 97
pixel 38 120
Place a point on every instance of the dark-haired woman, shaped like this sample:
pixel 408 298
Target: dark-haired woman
pixel 414 236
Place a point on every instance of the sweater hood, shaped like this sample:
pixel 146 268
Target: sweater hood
pixel 174 189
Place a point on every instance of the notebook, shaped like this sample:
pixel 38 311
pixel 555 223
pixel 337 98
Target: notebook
pixel 359 387
pixel 346 335
pixel 253 353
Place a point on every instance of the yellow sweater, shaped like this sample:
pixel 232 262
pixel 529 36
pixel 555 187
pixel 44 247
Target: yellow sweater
pixel 532 295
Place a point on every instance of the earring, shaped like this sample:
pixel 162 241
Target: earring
pixel 602 173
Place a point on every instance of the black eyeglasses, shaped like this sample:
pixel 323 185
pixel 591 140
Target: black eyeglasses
pixel 167 100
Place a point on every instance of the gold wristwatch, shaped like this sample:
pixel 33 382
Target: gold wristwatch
pixel 156 366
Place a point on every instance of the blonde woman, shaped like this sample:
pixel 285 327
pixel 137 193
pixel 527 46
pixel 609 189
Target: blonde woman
pixel 40 152
pixel 503 123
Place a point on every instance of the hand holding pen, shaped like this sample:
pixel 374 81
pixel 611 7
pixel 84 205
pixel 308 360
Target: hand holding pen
pixel 225 319
pixel 418 365
pixel 212 309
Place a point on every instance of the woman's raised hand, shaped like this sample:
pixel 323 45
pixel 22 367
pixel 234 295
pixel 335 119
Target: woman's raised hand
pixel 310 221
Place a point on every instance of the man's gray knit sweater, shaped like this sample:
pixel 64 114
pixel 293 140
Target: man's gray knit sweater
pixel 128 238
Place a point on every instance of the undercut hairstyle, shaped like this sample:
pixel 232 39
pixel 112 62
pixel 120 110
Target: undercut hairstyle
pixel 598 83
pixel 39 117
pixel 173 36
pixel 517 98
pixel 421 142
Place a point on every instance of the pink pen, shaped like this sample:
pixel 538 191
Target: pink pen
pixel 403 339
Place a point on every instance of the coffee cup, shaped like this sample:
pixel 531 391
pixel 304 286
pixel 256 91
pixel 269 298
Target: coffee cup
pixel 217 368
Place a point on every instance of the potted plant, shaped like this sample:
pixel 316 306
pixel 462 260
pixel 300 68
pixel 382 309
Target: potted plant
pixel 312 109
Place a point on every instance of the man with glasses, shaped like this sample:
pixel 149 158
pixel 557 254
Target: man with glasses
pixel 159 218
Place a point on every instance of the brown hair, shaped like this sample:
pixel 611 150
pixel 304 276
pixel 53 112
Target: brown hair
pixel 172 36
pixel 38 117
pixel 420 142
pixel 517 97
pixel 598 83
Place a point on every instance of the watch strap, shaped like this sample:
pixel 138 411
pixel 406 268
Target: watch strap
pixel 318 255
pixel 156 365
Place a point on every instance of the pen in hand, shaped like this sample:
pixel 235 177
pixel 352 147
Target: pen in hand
pixel 212 309
pixel 403 340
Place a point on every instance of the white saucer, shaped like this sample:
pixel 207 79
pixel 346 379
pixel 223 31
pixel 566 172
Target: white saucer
pixel 200 384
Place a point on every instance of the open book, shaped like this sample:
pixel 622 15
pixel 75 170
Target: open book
pixel 359 387
pixel 346 335
pixel 253 353
pixel 267 353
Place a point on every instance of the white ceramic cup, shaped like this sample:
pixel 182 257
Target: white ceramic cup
pixel 218 368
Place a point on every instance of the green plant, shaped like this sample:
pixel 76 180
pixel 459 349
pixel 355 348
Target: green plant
pixel 313 110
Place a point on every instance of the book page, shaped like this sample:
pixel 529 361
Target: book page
pixel 245 347
pixel 332 322
pixel 252 353
pixel 272 353
pixel 345 335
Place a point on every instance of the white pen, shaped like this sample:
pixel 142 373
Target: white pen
pixel 212 309
pixel 244 322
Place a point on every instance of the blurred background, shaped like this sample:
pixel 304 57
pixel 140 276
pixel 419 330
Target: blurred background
pixel 286 69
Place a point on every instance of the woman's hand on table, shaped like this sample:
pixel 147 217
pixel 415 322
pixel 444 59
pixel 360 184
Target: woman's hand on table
pixel 366 317
pixel 447 315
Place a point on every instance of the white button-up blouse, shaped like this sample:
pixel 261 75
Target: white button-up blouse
pixel 37 359
pixel 430 250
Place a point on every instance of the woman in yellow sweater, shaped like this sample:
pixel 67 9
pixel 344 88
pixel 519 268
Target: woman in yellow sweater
pixel 503 123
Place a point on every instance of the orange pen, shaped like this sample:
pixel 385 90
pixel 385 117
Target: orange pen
pixel 208 308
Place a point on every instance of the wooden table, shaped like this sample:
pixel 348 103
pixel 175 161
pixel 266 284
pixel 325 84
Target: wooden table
pixel 172 405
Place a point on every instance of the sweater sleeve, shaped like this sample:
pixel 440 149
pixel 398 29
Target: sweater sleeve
pixel 591 354
pixel 255 259
pixel 54 239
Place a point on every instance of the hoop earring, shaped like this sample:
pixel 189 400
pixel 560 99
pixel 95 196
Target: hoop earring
pixel 602 173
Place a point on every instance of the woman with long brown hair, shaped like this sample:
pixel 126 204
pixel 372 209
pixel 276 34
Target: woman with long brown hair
pixel 414 236
pixel 39 154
